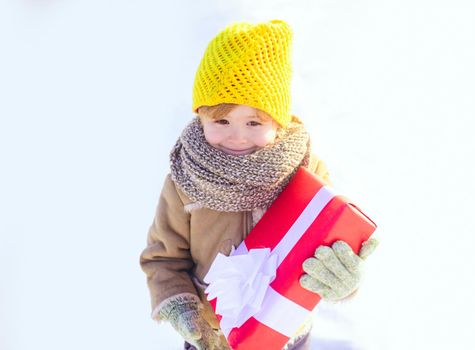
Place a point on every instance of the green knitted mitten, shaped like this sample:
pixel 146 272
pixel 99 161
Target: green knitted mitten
pixel 184 314
pixel 335 273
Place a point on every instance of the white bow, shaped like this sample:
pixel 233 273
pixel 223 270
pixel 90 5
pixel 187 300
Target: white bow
pixel 240 283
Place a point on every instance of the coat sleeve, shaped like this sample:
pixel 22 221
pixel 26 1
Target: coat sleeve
pixel 167 260
pixel 318 166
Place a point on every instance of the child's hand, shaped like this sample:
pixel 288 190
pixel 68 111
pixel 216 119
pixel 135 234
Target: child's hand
pixel 187 320
pixel 334 273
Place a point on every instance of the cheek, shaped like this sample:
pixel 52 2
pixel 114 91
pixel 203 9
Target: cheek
pixel 212 135
pixel 265 138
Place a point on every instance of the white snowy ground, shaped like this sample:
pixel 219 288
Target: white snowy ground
pixel 94 93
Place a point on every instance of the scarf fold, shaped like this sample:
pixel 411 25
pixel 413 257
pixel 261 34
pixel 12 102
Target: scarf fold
pixel 225 182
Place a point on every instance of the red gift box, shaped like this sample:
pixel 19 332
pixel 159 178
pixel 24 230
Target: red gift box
pixel 306 214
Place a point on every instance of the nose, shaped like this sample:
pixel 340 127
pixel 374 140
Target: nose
pixel 237 136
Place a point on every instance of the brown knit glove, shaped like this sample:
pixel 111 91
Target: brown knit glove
pixel 184 313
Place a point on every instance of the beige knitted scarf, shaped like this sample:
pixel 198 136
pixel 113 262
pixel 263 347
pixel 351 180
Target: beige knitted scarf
pixel 224 182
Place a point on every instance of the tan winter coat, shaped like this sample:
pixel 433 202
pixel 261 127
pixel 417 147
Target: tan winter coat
pixel 184 239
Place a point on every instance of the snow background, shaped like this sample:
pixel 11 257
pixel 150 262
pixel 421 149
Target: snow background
pixel 93 94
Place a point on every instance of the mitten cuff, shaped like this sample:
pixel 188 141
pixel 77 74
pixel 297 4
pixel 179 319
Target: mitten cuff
pixel 180 302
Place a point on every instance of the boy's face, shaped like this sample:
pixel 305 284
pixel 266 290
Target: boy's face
pixel 239 132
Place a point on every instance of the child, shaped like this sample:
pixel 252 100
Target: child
pixel 227 167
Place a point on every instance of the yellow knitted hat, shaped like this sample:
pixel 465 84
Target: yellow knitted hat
pixel 248 64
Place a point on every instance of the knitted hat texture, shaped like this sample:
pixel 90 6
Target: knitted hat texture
pixel 248 64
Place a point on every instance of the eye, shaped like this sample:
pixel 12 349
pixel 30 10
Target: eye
pixel 221 121
pixel 254 123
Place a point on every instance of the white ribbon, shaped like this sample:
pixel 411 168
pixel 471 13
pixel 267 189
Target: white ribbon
pixel 240 282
